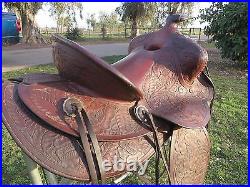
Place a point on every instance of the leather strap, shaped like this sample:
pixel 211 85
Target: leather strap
pixel 87 149
pixel 95 145
pixel 91 146
pixel 74 108
pixel 158 150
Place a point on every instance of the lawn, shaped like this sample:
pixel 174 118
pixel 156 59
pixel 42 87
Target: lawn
pixel 228 128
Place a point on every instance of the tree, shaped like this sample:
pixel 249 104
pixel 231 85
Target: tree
pixel 64 22
pixel 136 13
pixel 163 9
pixel 27 12
pixel 57 10
pixel 91 21
pixel 65 13
pixel 228 27
pixel 88 20
pixel 109 20
pixel 103 22
pixel 112 21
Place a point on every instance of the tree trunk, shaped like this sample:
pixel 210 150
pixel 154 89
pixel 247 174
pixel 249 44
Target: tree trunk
pixel 29 31
pixel 104 31
pixel 175 8
pixel 134 28
pixel 57 26
pixel 63 20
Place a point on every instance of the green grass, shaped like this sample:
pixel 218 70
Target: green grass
pixel 48 68
pixel 113 59
pixel 108 38
pixel 207 44
pixel 228 131
pixel 99 35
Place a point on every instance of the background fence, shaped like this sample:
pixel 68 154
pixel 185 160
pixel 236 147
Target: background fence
pixel 122 33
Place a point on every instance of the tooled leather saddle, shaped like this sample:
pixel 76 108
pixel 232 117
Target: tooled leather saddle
pixel 70 122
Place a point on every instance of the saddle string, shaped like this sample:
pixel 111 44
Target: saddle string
pixel 157 158
pixel 95 145
pixel 206 72
pixel 90 149
pixel 159 152
pixel 211 83
pixel 87 149
pixel 45 176
pixel 166 137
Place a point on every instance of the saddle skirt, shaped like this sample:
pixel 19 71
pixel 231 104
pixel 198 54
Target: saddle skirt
pixel 111 119
pixel 57 151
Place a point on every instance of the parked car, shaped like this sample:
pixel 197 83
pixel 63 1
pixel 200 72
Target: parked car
pixel 11 28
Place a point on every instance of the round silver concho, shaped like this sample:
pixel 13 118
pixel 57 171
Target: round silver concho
pixel 71 105
pixel 139 112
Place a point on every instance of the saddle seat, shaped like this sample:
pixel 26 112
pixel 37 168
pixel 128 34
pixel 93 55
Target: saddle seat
pixel 170 80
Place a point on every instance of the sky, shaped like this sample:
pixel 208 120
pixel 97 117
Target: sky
pixel 43 19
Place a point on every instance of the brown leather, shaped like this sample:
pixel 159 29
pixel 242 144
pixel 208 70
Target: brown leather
pixel 189 155
pixel 170 77
pixel 90 144
pixel 75 63
pixel 111 119
pixel 165 96
pixel 189 58
pixel 56 151
pixel 164 72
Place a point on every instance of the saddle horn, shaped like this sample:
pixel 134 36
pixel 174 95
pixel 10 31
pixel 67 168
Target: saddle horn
pixel 176 18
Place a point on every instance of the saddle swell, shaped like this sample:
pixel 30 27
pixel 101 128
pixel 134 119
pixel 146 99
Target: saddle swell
pixel 155 40
pixel 171 77
pixel 189 58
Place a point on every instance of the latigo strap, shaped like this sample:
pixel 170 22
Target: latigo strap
pixel 74 108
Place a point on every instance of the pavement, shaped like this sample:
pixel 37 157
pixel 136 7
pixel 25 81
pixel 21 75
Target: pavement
pixel 18 59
